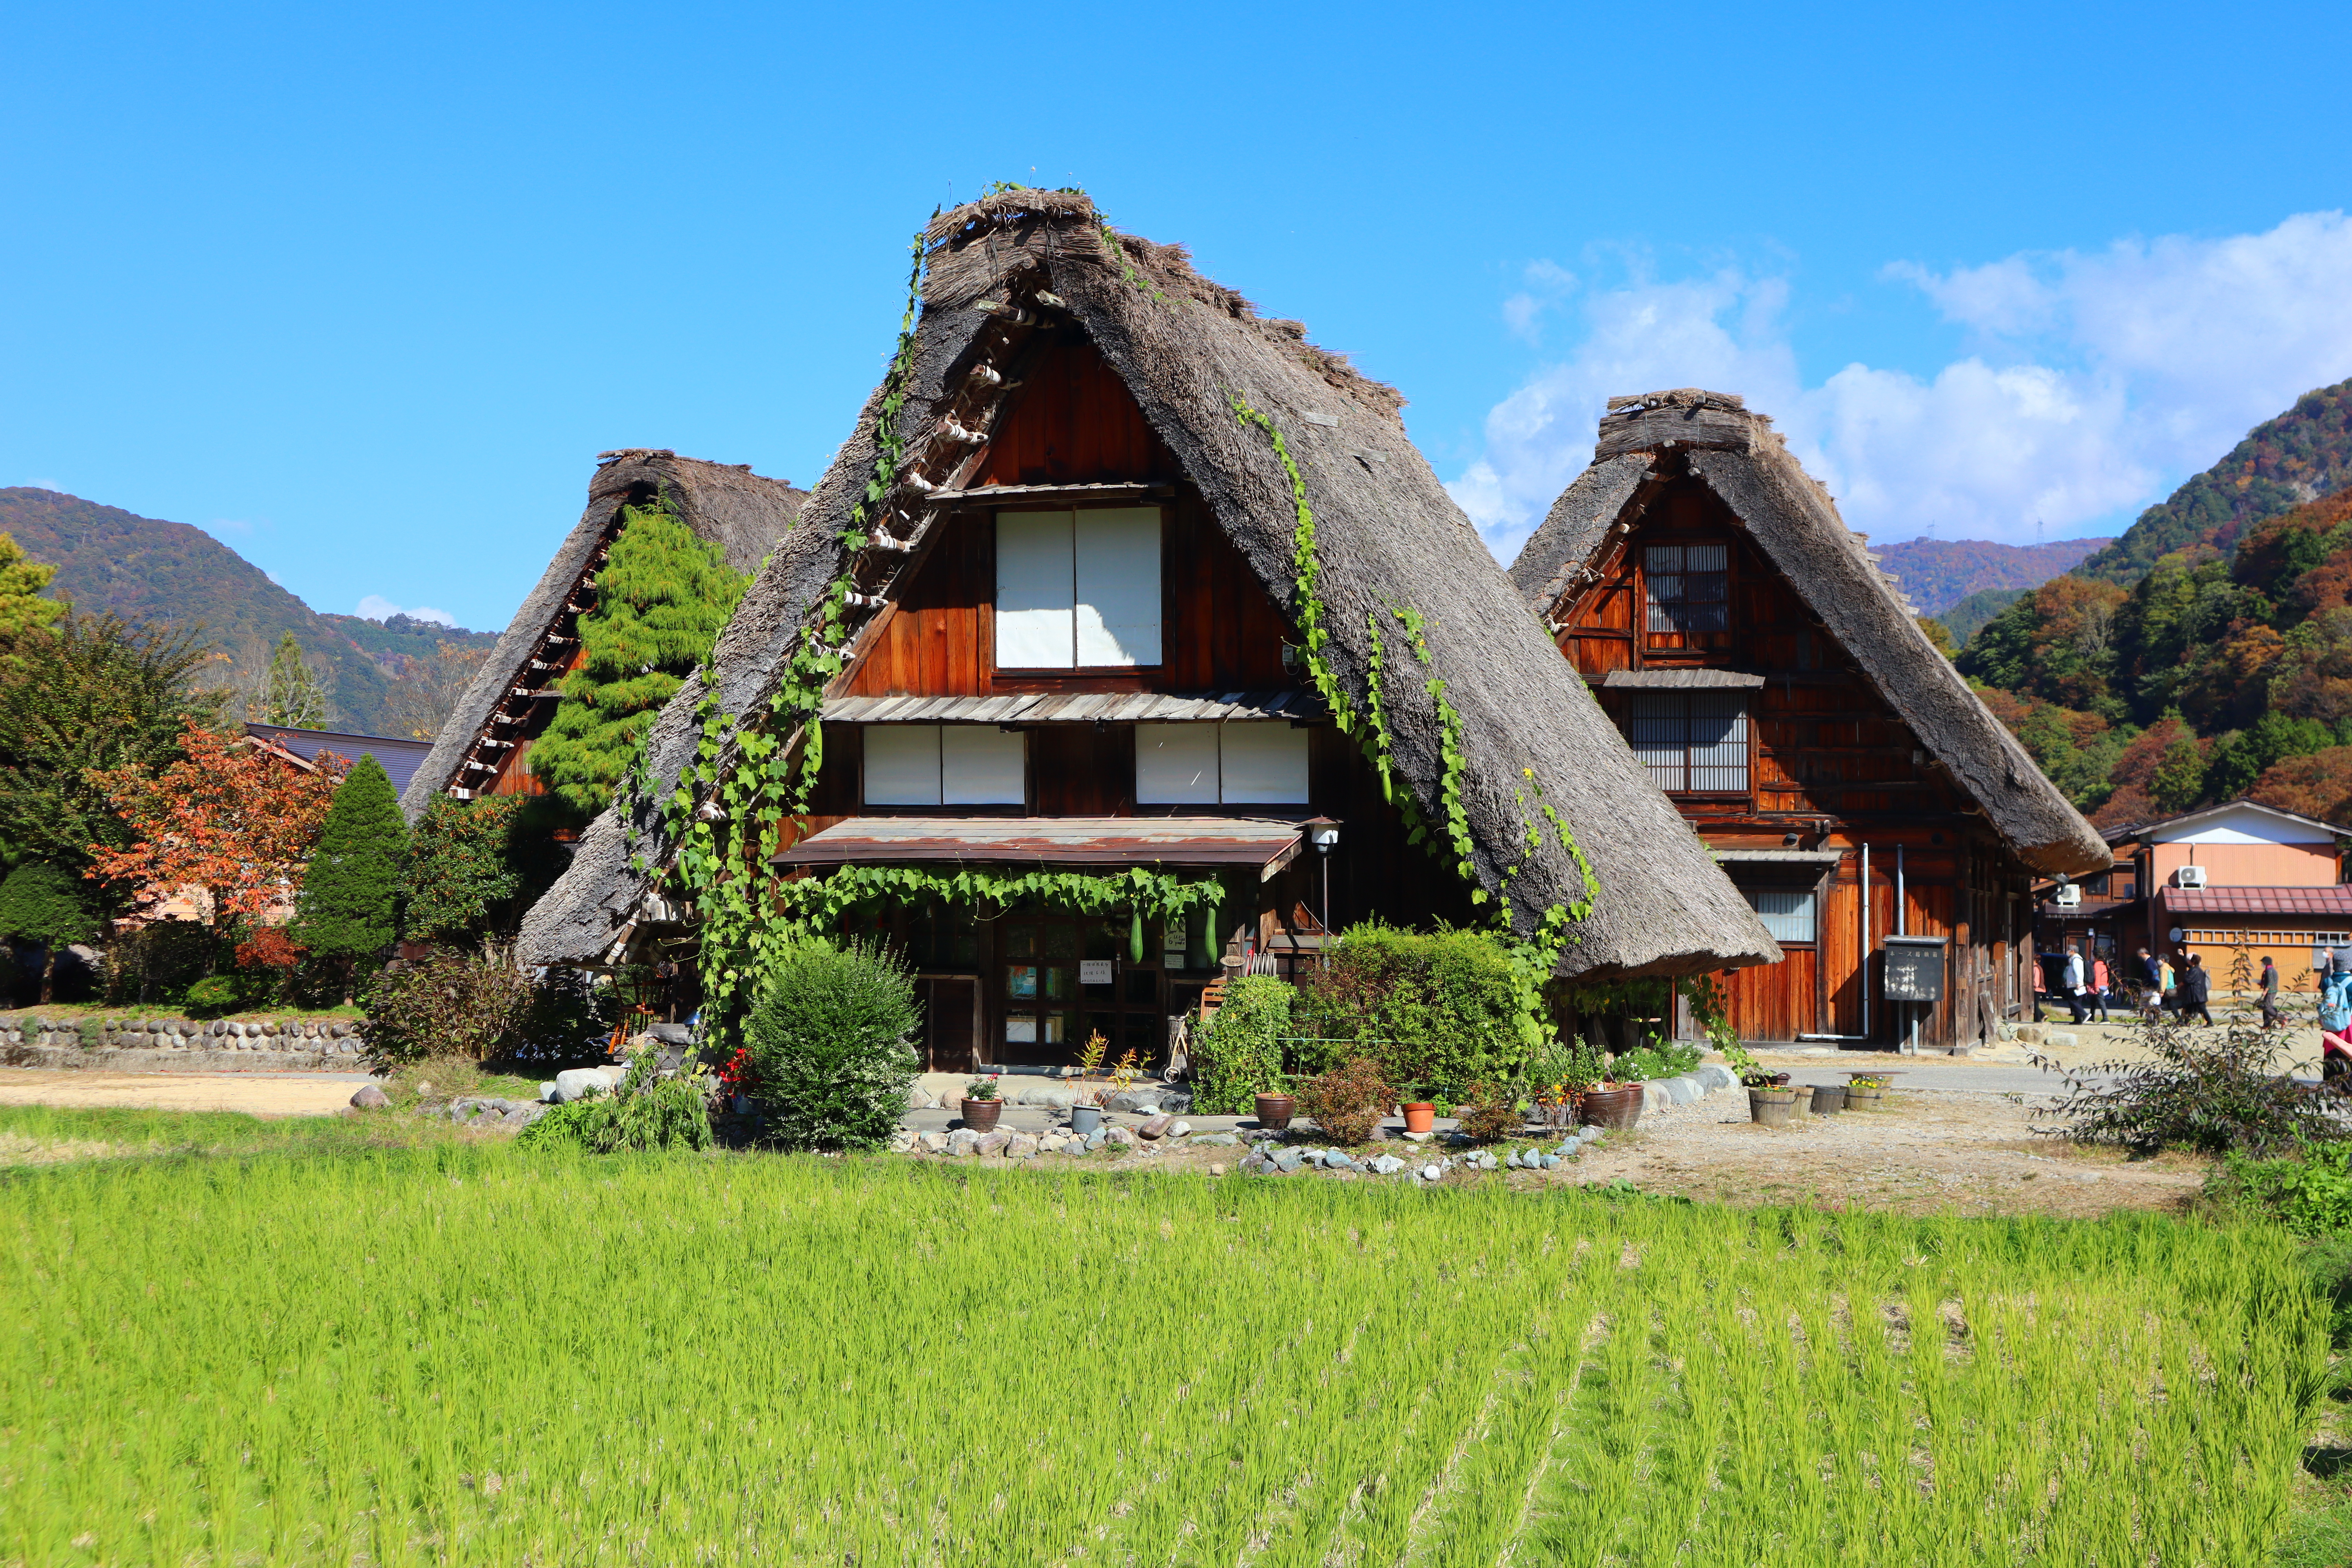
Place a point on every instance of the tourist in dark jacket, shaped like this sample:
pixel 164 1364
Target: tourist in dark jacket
pixel 2272 1017
pixel 2196 986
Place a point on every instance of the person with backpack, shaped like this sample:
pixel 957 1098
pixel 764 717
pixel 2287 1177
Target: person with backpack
pixel 2196 989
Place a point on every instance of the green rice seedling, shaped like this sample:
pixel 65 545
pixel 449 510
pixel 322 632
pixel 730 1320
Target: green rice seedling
pixel 455 1353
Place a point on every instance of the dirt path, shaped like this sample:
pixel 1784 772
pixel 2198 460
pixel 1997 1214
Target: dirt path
pixel 251 1093
pixel 1925 1153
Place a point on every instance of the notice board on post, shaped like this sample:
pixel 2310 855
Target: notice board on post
pixel 1915 968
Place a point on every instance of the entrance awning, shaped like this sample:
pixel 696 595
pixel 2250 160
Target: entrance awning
pixel 1054 841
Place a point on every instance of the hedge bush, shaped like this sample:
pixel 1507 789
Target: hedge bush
pixel 827 1043
pixel 1436 1009
pixel 1237 1055
pixel 648 1112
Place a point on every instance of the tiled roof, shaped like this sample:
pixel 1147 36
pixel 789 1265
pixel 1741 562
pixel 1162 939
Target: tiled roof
pixel 2333 904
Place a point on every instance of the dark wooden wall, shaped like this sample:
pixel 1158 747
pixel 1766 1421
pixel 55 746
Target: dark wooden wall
pixel 1832 762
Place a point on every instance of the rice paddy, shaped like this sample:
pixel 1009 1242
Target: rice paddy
pixel 468 1355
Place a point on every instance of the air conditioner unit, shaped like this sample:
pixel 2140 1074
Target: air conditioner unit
pixel 2068 897
pixel 2189 877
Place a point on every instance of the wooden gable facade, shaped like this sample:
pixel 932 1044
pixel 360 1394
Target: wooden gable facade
pixel 1903 910
pixel 1029 986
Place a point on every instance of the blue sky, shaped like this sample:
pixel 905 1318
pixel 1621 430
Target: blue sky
pixel 364 291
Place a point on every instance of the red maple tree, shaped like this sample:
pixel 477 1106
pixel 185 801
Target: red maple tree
pixel 233 819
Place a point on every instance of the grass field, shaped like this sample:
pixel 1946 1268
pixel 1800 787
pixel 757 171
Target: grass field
pixel 463 1353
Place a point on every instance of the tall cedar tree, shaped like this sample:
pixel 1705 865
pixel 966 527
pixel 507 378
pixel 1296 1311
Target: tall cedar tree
pixel 661 601
pixel 232 819
pixel 348 908
pixel 93 694
pixel 43 903
pixel 461 872
pixel 22 608
pixel 288 693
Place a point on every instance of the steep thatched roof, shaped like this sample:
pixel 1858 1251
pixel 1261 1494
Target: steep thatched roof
pixel 1388 535
pixel 1739 456
pixel 725 503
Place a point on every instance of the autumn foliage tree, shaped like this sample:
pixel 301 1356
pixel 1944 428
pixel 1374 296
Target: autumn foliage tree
pixel 231 819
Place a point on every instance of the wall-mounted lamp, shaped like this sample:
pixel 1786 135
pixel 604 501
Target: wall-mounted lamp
pixel 1324 834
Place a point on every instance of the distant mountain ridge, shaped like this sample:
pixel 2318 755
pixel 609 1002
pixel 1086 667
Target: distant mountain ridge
pixel 1939 573
pixel 2303 453
pixel 144 568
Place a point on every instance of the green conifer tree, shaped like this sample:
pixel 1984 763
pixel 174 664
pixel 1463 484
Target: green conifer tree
pixel 22 608
pixel 461 873
pixel 288 693
pixel 661 601
pixel 45 903
pixel 347 908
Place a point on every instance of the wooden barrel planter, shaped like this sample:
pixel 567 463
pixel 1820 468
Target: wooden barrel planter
pixel 1772 1107
pixel 1865 1097
pixel 1828 1098
pixel 1615 1108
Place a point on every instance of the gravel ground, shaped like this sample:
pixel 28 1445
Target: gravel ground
pixel 303 1094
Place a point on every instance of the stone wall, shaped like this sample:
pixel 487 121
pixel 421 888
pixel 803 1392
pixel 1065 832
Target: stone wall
pixel 149 1043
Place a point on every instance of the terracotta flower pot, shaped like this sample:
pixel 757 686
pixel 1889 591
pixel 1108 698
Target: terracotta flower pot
pixel 1612 1106
pixel 1275 1110
pixel 981 1115
pixel 1772 1107
pixel 1420 1116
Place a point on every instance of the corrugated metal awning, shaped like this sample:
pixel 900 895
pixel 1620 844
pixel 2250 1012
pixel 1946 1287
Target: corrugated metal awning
pixel 1054 841
pixel 1073 707
pixel 2328 902
pixel 1681 679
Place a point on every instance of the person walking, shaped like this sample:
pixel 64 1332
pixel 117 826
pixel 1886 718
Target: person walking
pixel 2150 981
pixel 2075 983
pixel 2196 988
pixel 2271 1015
pixel 2040 983
pixel 2100 985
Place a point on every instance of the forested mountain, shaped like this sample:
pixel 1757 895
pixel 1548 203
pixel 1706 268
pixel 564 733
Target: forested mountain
pixel 1939 573
pixel 378 677
pixel 1970 616
pixel 2303 453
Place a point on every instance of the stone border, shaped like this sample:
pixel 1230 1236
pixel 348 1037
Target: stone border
pixel 160 1043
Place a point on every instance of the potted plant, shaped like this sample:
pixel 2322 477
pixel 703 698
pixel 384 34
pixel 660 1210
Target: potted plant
pixel 1751 1071
pixel 982 1105
pixel 1865 1092
pixel 1420 1115
pixel 1612 1105
pixel 1086 1115
pixel 1276 1108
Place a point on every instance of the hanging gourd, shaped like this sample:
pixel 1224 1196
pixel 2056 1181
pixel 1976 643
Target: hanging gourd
pixel 1135 937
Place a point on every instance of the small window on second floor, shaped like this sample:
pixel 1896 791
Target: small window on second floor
pixel 1693 742
pixel 1248 761
pixel 1689 587
pixel 945 764
pixel 1787 914
pixel 1078 590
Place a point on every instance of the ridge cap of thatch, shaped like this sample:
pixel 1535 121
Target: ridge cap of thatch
pixel 1192 353
pixel 746 532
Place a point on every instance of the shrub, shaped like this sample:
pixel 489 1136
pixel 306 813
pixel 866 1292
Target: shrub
pixel 1658 1058
pixel 349 894
pixel 446 1004
pixel 2310 1193
pixel 1348 1101
pixel 1437 1009
pixel 47 905
pixel 1237 1055
pixel 568 1017
pixel 1493 1111
pixel 461 874
pixel 648 1113
pixel 2216 1092
pixel 828 1041
pixel 213 995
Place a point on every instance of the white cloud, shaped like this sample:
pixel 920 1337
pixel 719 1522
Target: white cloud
pixel 376 607
pixel 2098 382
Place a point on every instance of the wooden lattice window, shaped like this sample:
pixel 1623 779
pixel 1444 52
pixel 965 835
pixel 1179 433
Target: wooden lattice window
pixel 1687 587
pixel 1693 742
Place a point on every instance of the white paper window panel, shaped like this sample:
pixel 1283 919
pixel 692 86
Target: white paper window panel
pixel 1118 586
pixel 980 765
pixel 1035 590
pixel 902 764
pixel 1263 762
pixel 1176 764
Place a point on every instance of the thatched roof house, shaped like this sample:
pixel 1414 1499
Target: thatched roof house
pixel 1029 274
pixel 481 747
pixel 1776 684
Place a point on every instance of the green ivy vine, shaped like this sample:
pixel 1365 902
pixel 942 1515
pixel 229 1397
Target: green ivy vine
pixel 818 903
